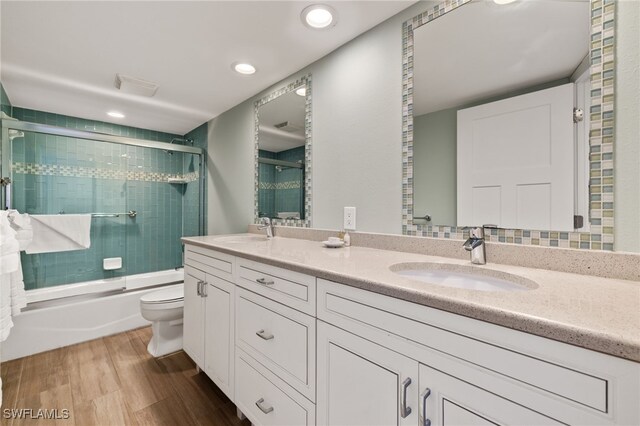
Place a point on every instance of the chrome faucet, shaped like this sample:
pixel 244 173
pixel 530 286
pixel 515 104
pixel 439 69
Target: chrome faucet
pixel 266 225
pixel 475 245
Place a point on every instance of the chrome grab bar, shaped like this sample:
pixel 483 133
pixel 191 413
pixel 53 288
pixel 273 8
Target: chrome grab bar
pixel 130 213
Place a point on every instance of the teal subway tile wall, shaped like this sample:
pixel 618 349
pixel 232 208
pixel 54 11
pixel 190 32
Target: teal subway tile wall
pixel 54 174
pixel 191 197
pixel 281 190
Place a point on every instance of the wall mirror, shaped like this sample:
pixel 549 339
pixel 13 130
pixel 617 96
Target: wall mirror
pixel 283 155
pixel 508 115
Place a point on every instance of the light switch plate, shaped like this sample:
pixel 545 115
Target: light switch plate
pixel 349 218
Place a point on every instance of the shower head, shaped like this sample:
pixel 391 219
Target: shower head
pixel 185 142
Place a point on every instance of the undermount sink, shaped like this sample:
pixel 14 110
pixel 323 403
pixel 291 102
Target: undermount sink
pixel 242 239
pixel 462 276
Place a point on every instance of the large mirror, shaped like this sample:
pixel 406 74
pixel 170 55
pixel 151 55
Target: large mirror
pixel 283 154
pixel 503 106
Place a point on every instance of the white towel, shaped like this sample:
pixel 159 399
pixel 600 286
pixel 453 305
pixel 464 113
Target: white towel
pixel 21 223
pixel 64 232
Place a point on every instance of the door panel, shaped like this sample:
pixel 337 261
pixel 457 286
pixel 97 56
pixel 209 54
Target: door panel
pixel 193 323
pixel 360 383
pixel 219 342
pixel 518 152
pixel 455 402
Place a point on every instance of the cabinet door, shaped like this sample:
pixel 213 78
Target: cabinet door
pixel 451 401
pixel 193 335
pixel 362 383
pixel 219 341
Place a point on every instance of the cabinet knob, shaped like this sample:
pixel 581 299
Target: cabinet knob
pixel 262 407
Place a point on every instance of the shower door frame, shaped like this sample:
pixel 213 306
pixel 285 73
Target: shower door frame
pixel 11 124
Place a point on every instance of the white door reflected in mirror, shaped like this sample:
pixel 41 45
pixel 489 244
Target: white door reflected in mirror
pixel 494 139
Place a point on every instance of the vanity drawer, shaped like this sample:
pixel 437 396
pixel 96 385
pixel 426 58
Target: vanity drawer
pixel 282 339
pixel 265 399
pixel 210 261
pixel 288 287
pixel 533 361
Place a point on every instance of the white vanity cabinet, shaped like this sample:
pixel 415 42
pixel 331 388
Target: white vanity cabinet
pixel 275 345
pixel 475 372
pixel 292 349
pixel 209 312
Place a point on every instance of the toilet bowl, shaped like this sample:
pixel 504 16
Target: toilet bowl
pixel 164 308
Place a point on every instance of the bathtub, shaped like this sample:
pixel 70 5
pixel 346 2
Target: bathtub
pixel 73 313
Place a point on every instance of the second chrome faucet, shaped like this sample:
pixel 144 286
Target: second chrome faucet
pixel 475 244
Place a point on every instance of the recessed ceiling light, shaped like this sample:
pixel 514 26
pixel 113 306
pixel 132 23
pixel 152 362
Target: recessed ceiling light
pixel 319 16
pixel 244 68
pixel 301 91
pixel 503 1
pixel 115 114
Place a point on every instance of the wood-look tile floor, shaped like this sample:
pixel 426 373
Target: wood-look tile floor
pixel 114 381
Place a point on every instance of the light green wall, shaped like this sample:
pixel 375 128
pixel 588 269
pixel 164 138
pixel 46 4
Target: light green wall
pixel 357 130
pixel 357 136
pixel 434 170
pixel 627 127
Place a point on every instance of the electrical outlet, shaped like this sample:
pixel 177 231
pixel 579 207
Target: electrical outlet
pixel 350 218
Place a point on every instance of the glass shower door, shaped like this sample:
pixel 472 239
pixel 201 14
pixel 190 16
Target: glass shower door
pixel 63 175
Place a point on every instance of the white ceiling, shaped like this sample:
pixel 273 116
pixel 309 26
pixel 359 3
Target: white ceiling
pixel 482 50
pixel 63 56
pixel 286 108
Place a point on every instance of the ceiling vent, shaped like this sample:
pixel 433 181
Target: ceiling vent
pixel 287 127
pixel 135 86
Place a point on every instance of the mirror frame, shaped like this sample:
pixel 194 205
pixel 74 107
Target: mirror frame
pixel 601 141
pixel 306 82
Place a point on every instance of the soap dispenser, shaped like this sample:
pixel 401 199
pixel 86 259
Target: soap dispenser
pixel 346 239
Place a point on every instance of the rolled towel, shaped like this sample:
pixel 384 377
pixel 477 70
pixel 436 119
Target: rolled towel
pixel 21 223
pixel 64 232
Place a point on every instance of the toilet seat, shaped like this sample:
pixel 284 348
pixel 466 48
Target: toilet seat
pixel 166 295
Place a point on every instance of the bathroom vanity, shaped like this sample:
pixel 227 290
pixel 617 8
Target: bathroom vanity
pixel 295 333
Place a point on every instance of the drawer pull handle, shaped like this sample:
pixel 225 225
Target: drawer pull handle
pixel 199 288
pixel 264 281
pixel 425 395
pixel 404 410
pixel 259 404
pixel 263 335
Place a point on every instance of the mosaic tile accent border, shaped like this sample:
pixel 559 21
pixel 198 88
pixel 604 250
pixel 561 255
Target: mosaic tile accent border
pixel 294 184
pixel 601 141
pixel 97 173
pixel 306 81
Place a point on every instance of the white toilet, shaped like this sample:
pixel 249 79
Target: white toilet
pixel 164 308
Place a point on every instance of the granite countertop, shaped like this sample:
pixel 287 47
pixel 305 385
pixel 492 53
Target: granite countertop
pixel 600 314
